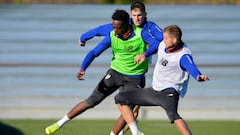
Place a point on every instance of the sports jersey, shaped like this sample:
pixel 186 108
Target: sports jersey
pixel 106 43
pixel 176 66
pixel 149 29
pixel 124 52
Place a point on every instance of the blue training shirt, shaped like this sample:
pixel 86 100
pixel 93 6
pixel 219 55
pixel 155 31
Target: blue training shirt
pixel 147 36
pixel 102 30
pixel 105 29
pixel 187 64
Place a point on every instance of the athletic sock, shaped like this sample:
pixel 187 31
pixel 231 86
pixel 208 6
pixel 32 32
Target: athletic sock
pixel 121 132
pixel 62 121
pixel 134 129
pixel 112 133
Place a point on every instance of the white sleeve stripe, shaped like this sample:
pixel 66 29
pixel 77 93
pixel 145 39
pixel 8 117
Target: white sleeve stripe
pixel 189 59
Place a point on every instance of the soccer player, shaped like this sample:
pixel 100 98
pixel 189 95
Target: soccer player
pixel 139 19
pixel 126 42
pixel 170 79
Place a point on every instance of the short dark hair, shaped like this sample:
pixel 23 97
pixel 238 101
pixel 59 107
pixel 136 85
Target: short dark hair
pixel 121 15
pixel 138 4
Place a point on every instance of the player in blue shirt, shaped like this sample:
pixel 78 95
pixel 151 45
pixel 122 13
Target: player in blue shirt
pixel 139 19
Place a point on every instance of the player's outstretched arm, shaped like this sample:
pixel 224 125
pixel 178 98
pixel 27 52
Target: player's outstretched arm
pixel 81 43
pixel 102 30
pixel 202 78
pixel 80 75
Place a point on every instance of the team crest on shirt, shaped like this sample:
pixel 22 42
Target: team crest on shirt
pixel 128 48
pixel 107 76
pixel 164 62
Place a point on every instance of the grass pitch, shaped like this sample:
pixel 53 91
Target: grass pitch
pixel 103 127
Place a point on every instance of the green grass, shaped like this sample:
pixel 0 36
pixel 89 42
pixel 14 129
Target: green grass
pixel 102 127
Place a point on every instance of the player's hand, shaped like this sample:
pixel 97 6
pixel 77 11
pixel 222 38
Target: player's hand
pixel 138 59
pixel 81 43
pixel 202 78
pixel 80 75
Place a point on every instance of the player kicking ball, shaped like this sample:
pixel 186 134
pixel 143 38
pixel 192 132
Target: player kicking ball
pixel 170 80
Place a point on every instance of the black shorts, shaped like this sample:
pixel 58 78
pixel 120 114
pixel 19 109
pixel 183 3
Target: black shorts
pixel 110 83
pixel 167 99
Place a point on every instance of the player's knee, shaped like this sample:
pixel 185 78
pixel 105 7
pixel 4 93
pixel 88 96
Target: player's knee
pixel 92 102
pixel 173 116
pixel 119 99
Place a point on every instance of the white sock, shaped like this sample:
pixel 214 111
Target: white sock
pixel 112 133
pixel 121 132
pixel 134 129
pixel 62 121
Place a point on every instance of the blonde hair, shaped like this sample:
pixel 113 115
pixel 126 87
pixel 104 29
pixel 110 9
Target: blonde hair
pixel 174 30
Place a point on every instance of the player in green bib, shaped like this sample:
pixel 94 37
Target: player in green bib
pixel 124 52
pixel 125 72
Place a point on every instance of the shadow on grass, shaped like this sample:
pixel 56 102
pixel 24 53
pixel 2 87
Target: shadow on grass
pixel 9 130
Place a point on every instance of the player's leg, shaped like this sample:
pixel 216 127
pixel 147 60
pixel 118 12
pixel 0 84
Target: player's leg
pixel 135 115
pixel 79 108
pixel 129 118
pixel 103 89
pixel 169 101
pixel 182 127
pixel 95 98
pixel 120 126
pixel 132 97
